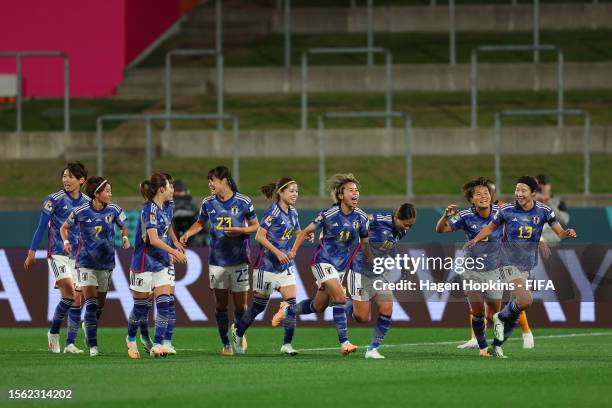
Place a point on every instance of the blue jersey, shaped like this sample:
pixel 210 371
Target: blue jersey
pixel 339 240
pixel 96 248
pixel 58 207
pixel 237 211
pixel 281 227
pixel 383 238
pixel 522 233
pixel 471 223
pixel 146 257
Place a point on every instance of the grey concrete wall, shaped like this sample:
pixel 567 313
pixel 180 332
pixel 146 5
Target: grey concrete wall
pixel 381 142
pixel 33 145
pixel 148 83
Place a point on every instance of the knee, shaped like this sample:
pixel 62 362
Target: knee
pixel 361 318
pixel 385 309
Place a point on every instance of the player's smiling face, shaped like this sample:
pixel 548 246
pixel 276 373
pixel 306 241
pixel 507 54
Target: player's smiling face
pixel 350 195
pixel 70 182
pixel 523 194
pixel 217 186
pixel 105 195
pixel 290 194
pixel 481 198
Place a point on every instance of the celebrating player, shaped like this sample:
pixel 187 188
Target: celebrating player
pixel 384 232
pixel 232 219
pixel 95 258
pixel 55 211
pixel 482 304
pixel 344 229
pixel 524 220
pixel 150 270
pixel 275 268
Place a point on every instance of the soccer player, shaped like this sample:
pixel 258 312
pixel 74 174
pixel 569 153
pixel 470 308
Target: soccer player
pixel 275 268
pixel 482 304
pixel 150 270
pixel 95 257
pixel 55 211
pixel 384 232
pixel 344 228
pixel 232 218
pixel 524 220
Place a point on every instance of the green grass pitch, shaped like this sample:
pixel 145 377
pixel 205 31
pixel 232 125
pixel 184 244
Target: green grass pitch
pixel 423 367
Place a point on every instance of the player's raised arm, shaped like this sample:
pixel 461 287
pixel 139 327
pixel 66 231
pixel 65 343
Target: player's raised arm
pixel 193 230
pixel 442 226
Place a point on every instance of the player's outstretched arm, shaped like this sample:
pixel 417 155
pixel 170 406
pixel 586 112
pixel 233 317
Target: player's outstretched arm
pixel 563 233
pixel 237 231
pixel 485 232
pixel 299 240
pixel 194 229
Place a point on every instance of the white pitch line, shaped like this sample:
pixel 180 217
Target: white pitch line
pixel 446 343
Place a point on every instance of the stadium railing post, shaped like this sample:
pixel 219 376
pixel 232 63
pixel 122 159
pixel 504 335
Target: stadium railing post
pixel 452 58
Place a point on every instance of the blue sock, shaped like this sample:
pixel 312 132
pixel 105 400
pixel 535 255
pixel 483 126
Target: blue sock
pixel 171 320
pixel 303 308
pixel 510 313
pixel 99 312
pixel 340 320
pixel 478 325
pixel 162 303
pixel 222 325
pixel 238 313
pixel 60 313
pixel 91 322
pixel 139 311
pixel 380 330
pixel 74 319
pixel 143 323
pixel 259 305
pixel 348 308
pixel 289 322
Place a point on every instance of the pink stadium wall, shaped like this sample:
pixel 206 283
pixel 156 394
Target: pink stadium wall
pixel 101 38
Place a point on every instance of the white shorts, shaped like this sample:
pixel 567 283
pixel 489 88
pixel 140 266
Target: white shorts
pixel 93 277
pixel 172 272
pixel 361 287
pixel 509 273
pixel 147 281
pixel 62 267
pixel 264 283
pixel 234 278
pixel 478 278
pixel 324 272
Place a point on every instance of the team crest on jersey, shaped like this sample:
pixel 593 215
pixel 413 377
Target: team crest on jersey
pixel 234 210
pixel 536 219
pixel 109 218
pixel 356 224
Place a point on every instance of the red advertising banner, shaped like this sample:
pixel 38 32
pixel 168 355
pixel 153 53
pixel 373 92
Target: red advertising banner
pixel 573 288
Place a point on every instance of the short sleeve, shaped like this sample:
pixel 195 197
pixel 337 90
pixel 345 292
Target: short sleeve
pixel 203 215
pixel 48 206
pixel 249 212
pixel 120 217
pixel 319 220
pixel 364 226
pixel 498 218
pixel 71 220
pixel 456 222
pixel 550 217
pixel 149 217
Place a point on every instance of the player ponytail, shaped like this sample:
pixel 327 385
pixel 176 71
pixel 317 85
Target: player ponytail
pixel 273 190
pixel 95 185
pixel 405 212
pixel 336 184
pixel 222 172
pixel 150 187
